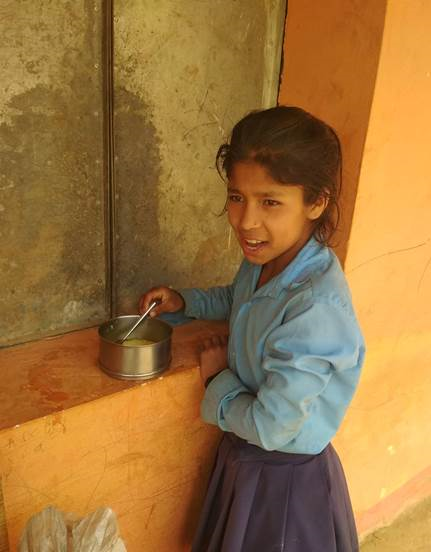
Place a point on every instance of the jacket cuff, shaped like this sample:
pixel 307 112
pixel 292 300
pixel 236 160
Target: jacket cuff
pixel 219 392
pixel 191 302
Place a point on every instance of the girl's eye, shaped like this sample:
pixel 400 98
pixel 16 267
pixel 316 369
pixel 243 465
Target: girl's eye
pixel 234 198
pixel 270 203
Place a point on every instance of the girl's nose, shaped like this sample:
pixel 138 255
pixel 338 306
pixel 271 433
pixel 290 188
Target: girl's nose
pixel 249 219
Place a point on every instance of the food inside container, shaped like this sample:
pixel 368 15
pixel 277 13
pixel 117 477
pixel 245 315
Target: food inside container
pixel 146 354
pixel 137 342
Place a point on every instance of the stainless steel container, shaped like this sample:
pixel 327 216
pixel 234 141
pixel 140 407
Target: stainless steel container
pixel 134 362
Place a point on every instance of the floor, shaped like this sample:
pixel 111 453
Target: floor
pixel 410 532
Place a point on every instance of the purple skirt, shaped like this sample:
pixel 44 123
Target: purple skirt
pixel 261 500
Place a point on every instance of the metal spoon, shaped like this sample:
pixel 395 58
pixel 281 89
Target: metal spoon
pixel 139 321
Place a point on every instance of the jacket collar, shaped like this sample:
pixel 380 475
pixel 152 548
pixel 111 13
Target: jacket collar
pixel 312 258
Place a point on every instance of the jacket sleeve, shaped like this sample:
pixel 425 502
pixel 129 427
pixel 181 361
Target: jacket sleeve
pixel 300 357
pixel 213 303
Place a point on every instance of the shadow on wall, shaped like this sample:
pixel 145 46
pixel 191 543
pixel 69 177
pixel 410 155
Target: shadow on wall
pixel 137 171
pixel 53 267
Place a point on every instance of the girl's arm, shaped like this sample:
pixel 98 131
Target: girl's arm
pixel 311 365
pixel 197 303
pixel 214 303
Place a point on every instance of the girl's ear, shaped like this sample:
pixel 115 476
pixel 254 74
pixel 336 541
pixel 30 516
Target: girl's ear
pixel 316 209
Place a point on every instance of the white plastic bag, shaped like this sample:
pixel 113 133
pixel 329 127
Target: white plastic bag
pixel 45 531
pixel 97 532
pixel 51 530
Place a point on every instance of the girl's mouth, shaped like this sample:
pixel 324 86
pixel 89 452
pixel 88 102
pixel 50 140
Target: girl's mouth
pixel 252 246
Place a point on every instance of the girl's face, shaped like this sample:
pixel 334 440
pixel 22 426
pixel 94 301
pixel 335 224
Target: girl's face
pixel 271 220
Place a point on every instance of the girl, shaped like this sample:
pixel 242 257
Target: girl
pixel 280 388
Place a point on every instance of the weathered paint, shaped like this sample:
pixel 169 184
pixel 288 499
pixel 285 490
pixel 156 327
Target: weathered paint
pixel 184 74
pixel 52 255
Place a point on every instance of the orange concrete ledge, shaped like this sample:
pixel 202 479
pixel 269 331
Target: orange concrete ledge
pixel 73 437
pixel 43 377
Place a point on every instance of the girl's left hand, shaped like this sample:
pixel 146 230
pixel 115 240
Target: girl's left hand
pixel 213 356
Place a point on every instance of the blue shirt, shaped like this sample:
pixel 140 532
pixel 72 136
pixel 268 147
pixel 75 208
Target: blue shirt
pixel 294 354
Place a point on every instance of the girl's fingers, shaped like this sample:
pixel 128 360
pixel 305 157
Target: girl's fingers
pixel 148 298
pixel 170 301
pixel 207 344
pixel 214 341
pixel 224 340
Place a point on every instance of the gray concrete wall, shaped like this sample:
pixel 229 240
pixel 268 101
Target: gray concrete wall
pixel 52 250
pixel 185 72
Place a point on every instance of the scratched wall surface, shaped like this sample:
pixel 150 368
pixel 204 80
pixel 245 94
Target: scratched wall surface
pixel 52 262
pixel 184 74
pixel 151 470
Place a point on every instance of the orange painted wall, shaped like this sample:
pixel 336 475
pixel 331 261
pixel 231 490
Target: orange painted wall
pixel 385 439
pixel 388 261
pixel 144 452
pixel 331 54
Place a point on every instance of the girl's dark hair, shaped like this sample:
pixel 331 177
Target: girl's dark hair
pixel 296 148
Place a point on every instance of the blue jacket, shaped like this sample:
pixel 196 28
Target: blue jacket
pixel 294 355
